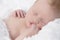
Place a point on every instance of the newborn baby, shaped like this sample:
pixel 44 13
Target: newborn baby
pixel 47 11
pixel 38 15
pixel 41 13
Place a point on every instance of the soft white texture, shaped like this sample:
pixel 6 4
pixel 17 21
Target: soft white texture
pixel 49 32
pixel 4 34
pixel 7 6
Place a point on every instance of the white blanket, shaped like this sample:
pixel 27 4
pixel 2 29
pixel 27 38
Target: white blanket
pixel 4 34
pixel 49 32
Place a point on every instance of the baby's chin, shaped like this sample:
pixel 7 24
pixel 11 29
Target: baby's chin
pixel 34 33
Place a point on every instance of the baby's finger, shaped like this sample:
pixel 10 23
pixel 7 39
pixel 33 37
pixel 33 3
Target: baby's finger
pixel 24 13
pixel 21 13
pixel 18 13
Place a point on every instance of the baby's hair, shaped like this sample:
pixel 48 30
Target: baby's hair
pixel 55 3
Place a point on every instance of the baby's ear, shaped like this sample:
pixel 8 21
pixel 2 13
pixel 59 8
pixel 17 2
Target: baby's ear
pixel 18 13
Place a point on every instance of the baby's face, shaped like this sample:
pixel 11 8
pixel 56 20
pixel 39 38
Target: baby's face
pixel 40 13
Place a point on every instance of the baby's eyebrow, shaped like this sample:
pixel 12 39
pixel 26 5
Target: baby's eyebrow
pixel 36 14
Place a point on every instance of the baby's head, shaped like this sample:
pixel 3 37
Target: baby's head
pixel 42 12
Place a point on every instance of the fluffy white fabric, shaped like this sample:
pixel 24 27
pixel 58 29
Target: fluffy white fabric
pixel 6 6
pixel 49 32
pixel 4 34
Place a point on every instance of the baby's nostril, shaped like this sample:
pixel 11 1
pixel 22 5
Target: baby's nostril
pixel 32 23
pixel 40 28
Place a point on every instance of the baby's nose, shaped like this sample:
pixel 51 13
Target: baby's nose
pixel 40 20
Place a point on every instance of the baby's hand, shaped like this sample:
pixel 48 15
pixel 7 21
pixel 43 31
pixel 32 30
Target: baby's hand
pixel 14 22
pixel 18 13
